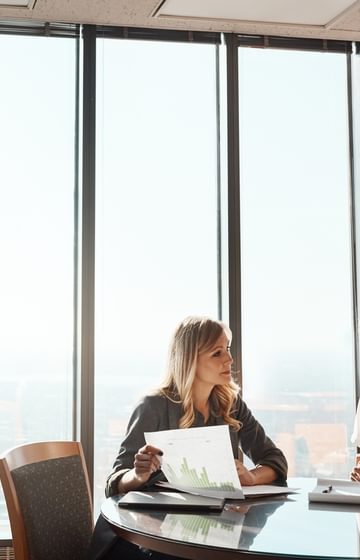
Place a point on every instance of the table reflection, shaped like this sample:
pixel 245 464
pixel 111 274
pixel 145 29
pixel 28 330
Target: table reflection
pixel 236 526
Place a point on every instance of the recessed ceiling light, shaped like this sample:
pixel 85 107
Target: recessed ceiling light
pixel 304 12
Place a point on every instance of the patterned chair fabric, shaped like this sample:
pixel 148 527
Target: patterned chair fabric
pixel 55 505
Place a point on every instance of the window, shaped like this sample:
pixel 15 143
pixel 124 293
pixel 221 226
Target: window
pixel 36 241
pixel 157 238
pixel 298 371
pixel 161 234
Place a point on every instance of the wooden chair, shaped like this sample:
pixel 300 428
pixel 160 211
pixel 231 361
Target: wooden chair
pixel 48 497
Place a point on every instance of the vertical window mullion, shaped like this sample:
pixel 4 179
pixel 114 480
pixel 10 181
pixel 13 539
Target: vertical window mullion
pixel 88 248
pixel 234 201
pixel 352 119
pixel 75 404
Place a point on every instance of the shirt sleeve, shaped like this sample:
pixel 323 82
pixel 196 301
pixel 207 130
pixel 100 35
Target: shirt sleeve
pixel 257 445
pixel 146 417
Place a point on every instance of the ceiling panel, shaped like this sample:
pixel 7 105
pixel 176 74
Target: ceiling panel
pixel 323 19
pixel 304 12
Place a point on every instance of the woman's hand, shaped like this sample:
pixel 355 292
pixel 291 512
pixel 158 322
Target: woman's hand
pixel 146 462
pixel 261 474
pixel 246 477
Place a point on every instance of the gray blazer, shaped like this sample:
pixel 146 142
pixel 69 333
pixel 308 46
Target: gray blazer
pixel 157 412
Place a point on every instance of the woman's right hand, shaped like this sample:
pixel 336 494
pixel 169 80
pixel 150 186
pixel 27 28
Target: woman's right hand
pixel 146 461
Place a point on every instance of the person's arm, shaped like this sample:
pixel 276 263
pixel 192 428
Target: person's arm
pixel 149 416
pixel 270 461
pixel 146 462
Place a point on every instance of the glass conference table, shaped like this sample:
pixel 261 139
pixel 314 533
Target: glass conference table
pixel 272 527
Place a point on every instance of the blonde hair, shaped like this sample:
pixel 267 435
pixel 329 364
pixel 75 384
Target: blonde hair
pixel 193 336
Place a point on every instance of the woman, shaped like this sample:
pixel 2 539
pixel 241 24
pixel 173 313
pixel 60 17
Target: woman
pixel 198 391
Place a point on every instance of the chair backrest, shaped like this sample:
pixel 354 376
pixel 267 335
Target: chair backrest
pixel 48 497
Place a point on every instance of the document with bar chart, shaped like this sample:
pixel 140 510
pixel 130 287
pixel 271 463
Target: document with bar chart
pixel 199 460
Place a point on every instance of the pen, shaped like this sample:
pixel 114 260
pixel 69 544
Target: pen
pixel 327 490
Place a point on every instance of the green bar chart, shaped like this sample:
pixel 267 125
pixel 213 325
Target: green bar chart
pixel 197 478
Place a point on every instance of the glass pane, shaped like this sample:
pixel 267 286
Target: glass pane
pixel 298 371
pixel 36 240
pixel 156 222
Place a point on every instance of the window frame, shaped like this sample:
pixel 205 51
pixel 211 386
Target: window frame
pixel 84 241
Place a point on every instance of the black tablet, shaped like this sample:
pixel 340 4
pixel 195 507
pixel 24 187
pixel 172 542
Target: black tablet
pixel 170 501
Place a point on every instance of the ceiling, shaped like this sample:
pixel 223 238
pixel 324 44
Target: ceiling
pixel 327 19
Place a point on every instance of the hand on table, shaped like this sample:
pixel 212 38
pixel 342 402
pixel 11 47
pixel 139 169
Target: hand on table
pixel 261 474
pixel 246 477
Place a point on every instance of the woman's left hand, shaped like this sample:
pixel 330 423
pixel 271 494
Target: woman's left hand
pixel 261 474
pixel 246 477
